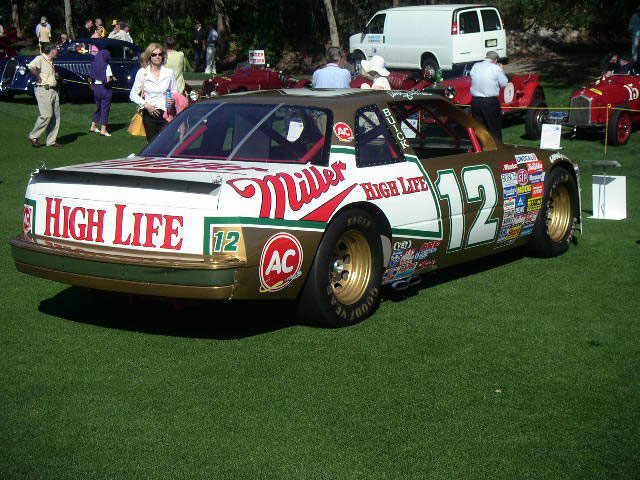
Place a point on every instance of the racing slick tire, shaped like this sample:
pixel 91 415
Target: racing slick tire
pixel 535 117
pixel 619 127
pixel 343 285
pixel 558 216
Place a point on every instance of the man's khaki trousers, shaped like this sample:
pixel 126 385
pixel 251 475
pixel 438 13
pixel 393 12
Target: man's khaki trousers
pixel 49 119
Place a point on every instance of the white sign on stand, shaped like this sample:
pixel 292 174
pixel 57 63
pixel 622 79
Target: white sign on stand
pixel 609 197
pixel 256 57
pixel 550 138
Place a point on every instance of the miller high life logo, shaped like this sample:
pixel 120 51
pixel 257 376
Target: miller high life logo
pixel 280 262
pixel 283 189
pixel 87 224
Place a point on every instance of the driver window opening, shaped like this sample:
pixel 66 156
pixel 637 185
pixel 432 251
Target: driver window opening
pixel 433 131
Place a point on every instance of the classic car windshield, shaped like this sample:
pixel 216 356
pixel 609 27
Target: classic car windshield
pixel 245 132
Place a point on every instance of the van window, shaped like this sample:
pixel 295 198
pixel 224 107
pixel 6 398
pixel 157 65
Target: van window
pixel 490 20
pixel 376 25
pixel 469 22
pixel 375 144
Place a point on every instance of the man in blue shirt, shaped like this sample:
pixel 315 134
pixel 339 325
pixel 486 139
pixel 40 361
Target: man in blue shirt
pixel 212 38
pixel 487 78
pixel 332 75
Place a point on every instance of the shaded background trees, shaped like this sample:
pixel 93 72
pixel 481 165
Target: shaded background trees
pixel 302 27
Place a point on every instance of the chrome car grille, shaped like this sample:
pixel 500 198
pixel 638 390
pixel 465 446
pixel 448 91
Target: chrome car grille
pixel 9 72
pixel 581 116
pixel 81 69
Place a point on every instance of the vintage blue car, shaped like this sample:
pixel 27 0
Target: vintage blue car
pixel 73 64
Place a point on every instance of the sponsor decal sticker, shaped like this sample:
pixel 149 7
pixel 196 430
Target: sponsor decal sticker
pixel 526 230
pixel 396 256
pixel 343 132
pixel 514 232
pixel 536 177
pixel 524 189
pixel 509 203
pixel 508 167
pixel 389 275
pixel 534 203
pixel 537 190
pixel 532 215
pixel 509 179
pixel 280 262
pixel 596 91
pixel 526 157
pixel 403 245
pixel 429 263
pixel 518 219
pixel 510 192
pixel 523 177
pixel 534 166
pixel 27 219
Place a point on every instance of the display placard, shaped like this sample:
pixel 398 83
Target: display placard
pixel 550 138
pixel 256 57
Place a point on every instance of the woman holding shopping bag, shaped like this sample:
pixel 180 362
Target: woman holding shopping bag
pixel 158 84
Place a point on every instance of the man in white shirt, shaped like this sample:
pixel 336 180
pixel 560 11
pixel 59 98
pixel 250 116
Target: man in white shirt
pixel 487 78
pixel 332 75
pixel 212 38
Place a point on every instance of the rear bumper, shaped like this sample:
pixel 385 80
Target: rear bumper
pixel 106 271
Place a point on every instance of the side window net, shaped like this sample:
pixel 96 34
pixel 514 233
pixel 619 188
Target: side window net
pixel 431 130
pixel 375 144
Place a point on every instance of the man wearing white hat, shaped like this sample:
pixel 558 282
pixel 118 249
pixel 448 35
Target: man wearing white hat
pixel 374 69
pixel 332 75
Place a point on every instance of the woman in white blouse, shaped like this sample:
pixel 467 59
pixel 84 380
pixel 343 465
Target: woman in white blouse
pixel 157 80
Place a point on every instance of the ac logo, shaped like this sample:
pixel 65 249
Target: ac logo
pixel 343 132
pixel 280 262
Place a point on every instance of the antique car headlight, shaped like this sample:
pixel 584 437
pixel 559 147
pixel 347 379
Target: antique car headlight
pixel 213 93
pixel 22 69
pixel 450 92
pixel 193 95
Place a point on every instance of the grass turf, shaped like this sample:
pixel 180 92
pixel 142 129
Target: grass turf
pixel 510 367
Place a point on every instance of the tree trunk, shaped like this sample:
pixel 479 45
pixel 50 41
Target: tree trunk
pixel 68 20
pixel 333 29
pixel 15 18
pixel 222 27
pixel 396 3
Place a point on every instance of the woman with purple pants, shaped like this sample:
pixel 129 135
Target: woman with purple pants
pixel 102 76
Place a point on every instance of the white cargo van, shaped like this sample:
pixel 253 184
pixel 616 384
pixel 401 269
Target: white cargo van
pixel 431 37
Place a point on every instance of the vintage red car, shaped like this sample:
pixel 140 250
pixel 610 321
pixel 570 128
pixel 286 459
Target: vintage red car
pixel 251 77
pixel 611 103
pixel 523 95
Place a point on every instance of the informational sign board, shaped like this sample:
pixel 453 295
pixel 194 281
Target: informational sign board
pixel 256 57
pixel 609 197
pixel 550 138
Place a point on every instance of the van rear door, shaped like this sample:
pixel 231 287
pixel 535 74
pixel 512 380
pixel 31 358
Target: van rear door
pixel 493 36
pixel 373 42
pixel 468 45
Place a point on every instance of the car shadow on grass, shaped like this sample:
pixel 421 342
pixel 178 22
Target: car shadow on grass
pixel 219 320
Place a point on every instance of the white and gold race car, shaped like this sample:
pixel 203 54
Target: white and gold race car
pixel 320 196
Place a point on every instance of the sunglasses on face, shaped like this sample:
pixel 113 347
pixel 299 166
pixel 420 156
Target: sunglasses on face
pixel 157 54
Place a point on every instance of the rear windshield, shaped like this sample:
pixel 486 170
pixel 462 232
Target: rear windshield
pixel 246 132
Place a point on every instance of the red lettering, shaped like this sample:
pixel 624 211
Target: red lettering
pixel 170 231
pixel 72 224
pixel 311 185
pixel 393 188
pixel 151 228
pixel 51 215
pixel 65 224
pixel 119 219
pixel 368 190
pixel 97 224
pixel 137 220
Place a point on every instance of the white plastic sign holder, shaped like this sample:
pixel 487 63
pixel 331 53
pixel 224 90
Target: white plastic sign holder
pixel 609 193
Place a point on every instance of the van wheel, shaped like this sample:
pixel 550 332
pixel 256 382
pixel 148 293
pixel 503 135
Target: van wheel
pixel 358 57
pixel 558 216
pixel 429 68
pixel 343 286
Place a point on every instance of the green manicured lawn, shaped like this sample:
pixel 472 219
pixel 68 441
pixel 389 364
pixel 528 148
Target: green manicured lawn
pixel 508 368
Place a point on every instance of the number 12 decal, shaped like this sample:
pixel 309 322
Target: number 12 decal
pixel 231 245
pixel 479 186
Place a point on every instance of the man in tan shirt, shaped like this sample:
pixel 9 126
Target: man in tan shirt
pixel 43 32
pixel 46 94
